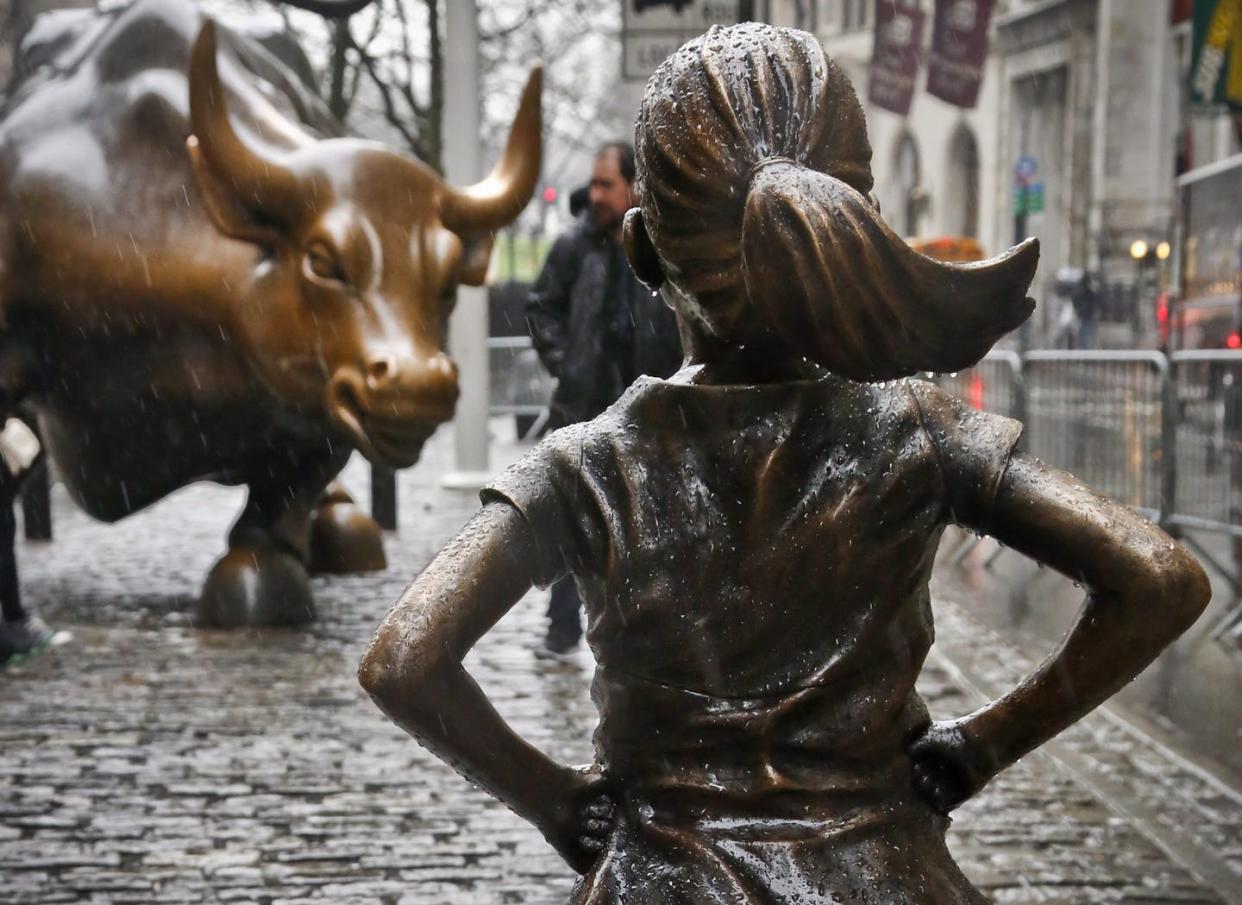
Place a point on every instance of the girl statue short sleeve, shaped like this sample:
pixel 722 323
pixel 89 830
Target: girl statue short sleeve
pixel 754 564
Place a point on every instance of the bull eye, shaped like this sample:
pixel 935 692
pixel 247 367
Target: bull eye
pixel 322 264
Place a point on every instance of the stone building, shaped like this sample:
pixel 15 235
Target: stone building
pixel 1091 93
pixel 935 168
pixel 1088 91
pixel 1095 90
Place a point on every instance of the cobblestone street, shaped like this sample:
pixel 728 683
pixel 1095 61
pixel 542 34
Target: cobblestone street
pixel 147 761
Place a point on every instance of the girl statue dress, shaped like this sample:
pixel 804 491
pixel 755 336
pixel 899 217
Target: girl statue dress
pixel 753 537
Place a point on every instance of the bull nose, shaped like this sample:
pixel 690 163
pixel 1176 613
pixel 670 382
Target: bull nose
pixel 390 406
pixel 392 388
pixel 378 371
pixel 429 376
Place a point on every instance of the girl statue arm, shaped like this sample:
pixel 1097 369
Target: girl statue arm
pixel 1143 591
pixel 413 671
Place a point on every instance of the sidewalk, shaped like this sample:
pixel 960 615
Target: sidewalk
pixel 146 761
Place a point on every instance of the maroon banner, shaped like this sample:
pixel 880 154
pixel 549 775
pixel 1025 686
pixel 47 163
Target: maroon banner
pixel 959 47
pixel 895 57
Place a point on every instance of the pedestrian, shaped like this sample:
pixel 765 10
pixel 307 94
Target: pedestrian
pixel 597 329
pixel 579 198
pixel 20 455
pixel 754 537
pixel 1086 301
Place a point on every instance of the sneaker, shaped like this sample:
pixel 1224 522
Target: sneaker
pixel 21 640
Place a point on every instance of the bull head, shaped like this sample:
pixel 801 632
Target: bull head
pixel 362 251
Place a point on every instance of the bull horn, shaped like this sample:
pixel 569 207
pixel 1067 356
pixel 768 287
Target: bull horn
pixel 498 199
pixel 259 184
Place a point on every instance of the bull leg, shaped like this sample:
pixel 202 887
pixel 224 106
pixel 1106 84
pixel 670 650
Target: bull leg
pixel 343 537
pixel 262 580
pixel 20 633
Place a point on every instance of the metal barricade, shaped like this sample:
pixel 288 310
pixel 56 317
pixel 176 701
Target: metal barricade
pixel 994 384
pixel 1208 493
pixel 520 385
pixel 1101 416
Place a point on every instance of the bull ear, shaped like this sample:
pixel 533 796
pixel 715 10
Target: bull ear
pixel 475 256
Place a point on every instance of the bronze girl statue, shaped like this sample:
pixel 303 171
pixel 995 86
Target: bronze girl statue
pixel 753 537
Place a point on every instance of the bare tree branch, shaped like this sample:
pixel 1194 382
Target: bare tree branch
pixel 390 108
pixel 330 9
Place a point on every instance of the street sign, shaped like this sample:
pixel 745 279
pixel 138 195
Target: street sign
pixel 651 30
pixel 1028 199
pixel 1035 198
pixel 1025 169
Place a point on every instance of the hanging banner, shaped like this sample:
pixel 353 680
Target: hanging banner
pixel 895 56
pixel 958 50
pixel 1216 56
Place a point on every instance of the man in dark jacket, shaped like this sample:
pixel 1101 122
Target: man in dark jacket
pixel 597 329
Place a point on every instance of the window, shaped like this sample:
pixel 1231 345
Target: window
pixel 962 189
pixel 907 178
pixel 855 14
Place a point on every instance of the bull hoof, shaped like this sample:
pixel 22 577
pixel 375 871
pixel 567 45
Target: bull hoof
pixel 255 587
pixel 21 639
pixel 345 539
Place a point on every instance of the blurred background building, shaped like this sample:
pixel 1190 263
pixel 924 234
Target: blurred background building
pixel 1084 133
pixel 1071 120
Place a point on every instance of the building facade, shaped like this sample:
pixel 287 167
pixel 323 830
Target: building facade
pixel 1090 95
pixel 935 168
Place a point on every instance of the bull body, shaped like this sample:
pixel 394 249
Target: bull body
pixel 246 310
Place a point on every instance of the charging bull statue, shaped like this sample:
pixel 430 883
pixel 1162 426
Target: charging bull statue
pixel 194 285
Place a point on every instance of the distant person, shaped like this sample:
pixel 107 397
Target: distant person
pixel 19 456
pixel 597 329
pixel 1086 302
pixel 579 199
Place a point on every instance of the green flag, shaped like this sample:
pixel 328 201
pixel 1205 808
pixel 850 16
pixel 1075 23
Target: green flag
pixel 1216 62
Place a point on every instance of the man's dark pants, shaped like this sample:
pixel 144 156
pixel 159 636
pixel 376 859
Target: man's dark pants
pixel 563 607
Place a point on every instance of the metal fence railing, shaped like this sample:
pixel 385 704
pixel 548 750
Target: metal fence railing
pixel 520 385
pixel 1162 434
pixel 1100 415
pixel 1208 434
pixel 994 384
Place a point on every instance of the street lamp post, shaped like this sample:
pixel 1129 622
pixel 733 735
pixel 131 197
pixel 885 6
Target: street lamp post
pixel 1149 260
pixel 468 325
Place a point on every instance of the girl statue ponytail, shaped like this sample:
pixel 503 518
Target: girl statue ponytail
pixel 753 177
pixel 828 279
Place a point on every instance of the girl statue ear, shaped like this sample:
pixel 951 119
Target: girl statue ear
pixel 641 253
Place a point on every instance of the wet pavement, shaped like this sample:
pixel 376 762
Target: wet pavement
pixel 146 761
